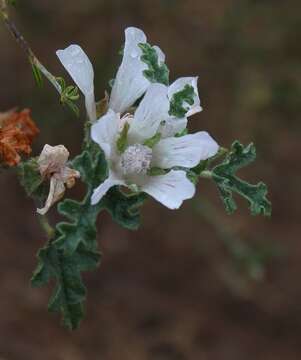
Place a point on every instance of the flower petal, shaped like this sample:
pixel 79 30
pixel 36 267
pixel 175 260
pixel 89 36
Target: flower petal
pixel 130 83
pixel 160 53
pixel 103 188
pixel 104 132
pixel 172 126
pixel 186 151
pixel 56 192
pixel 79 67
pixel 179 85
pixel 152 110
pixel 170 189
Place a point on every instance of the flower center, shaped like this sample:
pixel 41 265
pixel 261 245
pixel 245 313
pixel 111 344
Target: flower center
pixel 136 159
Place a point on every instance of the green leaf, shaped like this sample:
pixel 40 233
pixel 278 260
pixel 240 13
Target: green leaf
pixel 74 247
pixel 82 216
pixel 31 180
pixel 69 293
pixel 157 71
pixel 125 210
pixel 179 99
pixel 227 182
pixel 37 74
pixel 69 94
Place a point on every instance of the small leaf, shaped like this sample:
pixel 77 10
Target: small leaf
pixel 228 182
pixel 61 82
pixel 125 210
pixel 157 72
pixel 179 99
pixel 31 180
pixel 82 215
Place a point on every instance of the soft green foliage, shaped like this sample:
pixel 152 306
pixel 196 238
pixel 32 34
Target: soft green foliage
pixel 69 94
pixel 82 215
pixel 124 209
pixel 74 248
pixel 228 182
pixel 157 72
pixel 177 103
pixel 31 179
pixel 69 293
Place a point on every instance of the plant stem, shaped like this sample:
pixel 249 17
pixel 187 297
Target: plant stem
pixel 25 47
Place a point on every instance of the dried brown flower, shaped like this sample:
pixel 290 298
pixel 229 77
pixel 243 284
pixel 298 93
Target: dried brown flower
pixel 17 131
pixel 53 165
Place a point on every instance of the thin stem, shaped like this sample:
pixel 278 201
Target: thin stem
pixel 25 47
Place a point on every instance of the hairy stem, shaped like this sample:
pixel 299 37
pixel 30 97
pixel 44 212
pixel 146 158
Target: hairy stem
pixel 25 47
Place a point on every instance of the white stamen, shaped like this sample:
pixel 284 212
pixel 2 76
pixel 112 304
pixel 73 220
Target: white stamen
pixel 136 159
pixel 126 118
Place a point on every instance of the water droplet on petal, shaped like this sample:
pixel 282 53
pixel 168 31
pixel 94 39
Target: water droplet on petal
pixel 75 51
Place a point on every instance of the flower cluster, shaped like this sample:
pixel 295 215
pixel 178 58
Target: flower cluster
pixel 145 146
pixel 17 131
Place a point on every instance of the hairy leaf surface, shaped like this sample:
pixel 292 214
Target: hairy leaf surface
pixel 228 183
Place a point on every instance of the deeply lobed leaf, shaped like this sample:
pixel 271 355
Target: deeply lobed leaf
pixel 74 247
pixel 69 293
pixel 227 182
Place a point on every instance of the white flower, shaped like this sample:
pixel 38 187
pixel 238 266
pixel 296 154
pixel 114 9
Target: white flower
pixel 52 164
pixel 130 83
pixel 153 117
pixel 132 166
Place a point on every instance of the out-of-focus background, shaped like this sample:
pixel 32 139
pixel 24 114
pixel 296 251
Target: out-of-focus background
pixel 190 284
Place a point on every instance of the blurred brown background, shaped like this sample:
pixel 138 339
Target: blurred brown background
pixel 190 284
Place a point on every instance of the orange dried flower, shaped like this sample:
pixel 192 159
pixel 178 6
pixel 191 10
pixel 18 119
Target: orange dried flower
pixel 17 131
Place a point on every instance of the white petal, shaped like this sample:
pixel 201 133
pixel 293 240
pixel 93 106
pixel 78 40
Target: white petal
pixel 103 188
pixel 170 189
pixel 130 83
pixel 78 65
pixel 172 126
pixel 105 131
pixel 160 53
pixel 179 85
pixel 186 151
pixel 152 110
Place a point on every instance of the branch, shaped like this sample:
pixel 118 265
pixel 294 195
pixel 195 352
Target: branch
pixel 25 47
